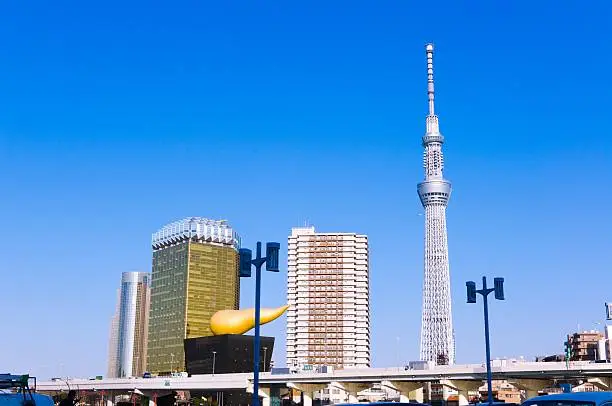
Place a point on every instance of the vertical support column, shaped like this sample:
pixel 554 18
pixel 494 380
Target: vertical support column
pixel 264 393
pixel 307 398
pixel 351 389
pixel 307 391
pixel 532 386
pixel 416 395
pixel 463 387
pixel 408 390
pixel 153 399
pixel 110 399
pixel 275 399
pixel 296 396
pixel 464 398
pixel 604 383
pixel 256 344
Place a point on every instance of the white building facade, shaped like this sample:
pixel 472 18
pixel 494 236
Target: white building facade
pixel 328 321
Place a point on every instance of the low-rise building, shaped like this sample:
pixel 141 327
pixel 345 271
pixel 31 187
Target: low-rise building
pixel 584 345
pixel 503 391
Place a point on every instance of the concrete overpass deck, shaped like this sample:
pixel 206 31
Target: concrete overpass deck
pixel 530 377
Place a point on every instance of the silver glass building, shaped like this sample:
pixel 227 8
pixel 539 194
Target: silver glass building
pixel 129 327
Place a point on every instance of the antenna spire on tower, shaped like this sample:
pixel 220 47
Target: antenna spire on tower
pixel 429 48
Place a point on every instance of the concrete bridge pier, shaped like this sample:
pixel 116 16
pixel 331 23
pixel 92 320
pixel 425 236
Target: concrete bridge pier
pixel 106 398
pixel 603 383
pixel 264 394
pixel 270 395
pixel 152 396
pixel 409 391
pixel 463 387
pixel 307 389
pixel 532 387
pixel 352 389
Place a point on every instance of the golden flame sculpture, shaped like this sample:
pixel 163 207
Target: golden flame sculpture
pixel 241 321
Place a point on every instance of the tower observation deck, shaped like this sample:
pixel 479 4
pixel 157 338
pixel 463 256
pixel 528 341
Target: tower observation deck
pixel 437 338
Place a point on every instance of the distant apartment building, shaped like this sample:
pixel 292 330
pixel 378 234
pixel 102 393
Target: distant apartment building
pixel 503 391
pixel 195 274
pixel 328 321
pixel 128 337
pixel 584 345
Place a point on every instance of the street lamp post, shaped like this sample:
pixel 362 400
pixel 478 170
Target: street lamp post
pixel 246 261
pixel 214 356
pixel 171 363
pixel 498 288
pixel 265 358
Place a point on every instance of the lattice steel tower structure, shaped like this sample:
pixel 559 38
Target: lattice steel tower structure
pixel 437 338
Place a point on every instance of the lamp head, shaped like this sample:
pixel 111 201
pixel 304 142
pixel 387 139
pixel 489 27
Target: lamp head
pixel 246 256
pixel 498 285
pixel 471 291
pixel 272 250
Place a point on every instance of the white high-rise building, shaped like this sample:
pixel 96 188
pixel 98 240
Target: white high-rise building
pixel 328 321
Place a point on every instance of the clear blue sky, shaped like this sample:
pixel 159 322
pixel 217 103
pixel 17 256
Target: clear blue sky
pixel 118 117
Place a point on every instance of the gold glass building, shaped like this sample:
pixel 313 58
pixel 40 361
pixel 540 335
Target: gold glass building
pixel 195 274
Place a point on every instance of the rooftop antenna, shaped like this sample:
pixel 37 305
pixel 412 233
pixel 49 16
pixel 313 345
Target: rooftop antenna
pixel 433 127
pixel 430 78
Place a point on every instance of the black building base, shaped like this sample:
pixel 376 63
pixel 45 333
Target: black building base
pixel 230 353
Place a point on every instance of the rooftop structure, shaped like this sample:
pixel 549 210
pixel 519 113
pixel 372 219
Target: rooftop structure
pixel 196 229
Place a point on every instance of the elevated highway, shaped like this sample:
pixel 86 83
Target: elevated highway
pixel 529 376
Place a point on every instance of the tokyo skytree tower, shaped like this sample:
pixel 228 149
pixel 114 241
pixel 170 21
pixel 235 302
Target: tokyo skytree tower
pixel 437 338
